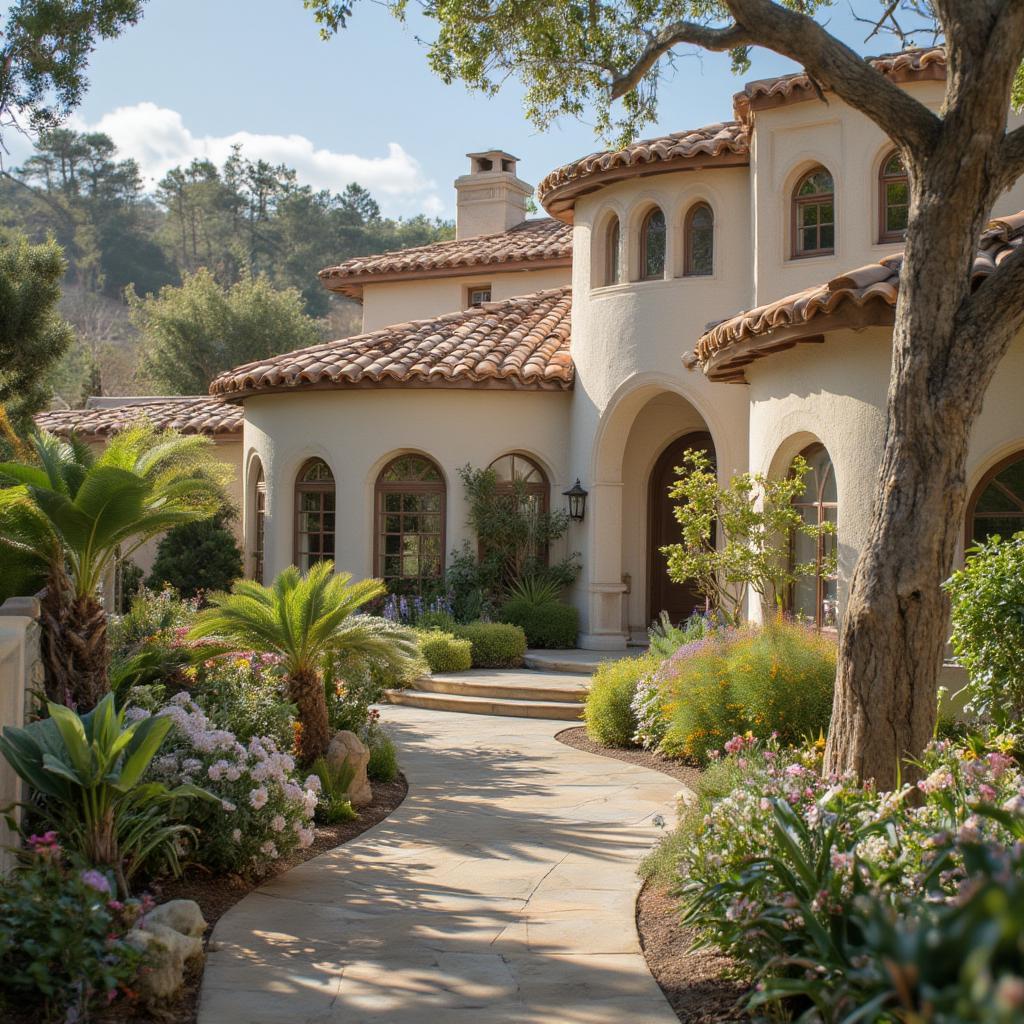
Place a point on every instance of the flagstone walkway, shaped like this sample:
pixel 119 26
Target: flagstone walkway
pixel 501 891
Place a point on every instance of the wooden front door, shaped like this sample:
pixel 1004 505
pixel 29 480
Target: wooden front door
pixel 679 600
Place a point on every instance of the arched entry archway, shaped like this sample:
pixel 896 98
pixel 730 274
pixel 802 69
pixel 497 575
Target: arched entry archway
pixel 679 600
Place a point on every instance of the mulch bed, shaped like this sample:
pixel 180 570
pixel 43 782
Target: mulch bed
pixel 695 982
pixel 217 894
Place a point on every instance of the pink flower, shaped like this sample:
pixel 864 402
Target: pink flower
pixel 258 798
pixel 986 792
pixel 96 880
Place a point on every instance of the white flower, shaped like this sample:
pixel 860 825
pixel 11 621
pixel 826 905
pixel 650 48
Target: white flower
pixel 305 838
pixel 134 714
pixel 309 803
pixel 231 773
pixel 236 835
pixel 270 850
pixel 313 782
pixel 258 798
pixel 278 823
pixel 228 806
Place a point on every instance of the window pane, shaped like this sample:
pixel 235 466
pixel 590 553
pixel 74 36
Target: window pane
pixel 1005 526
pixel 392 503
pixel 653 255
pixel 893 166
pixel 808 214
pixel 392 524
pixel 702 252
pixel 613 253
pixel 826 214
pixel 828 237
pixel 809 240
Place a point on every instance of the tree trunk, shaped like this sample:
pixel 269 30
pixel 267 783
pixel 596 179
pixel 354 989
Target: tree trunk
pixel 74 641
pixel 306 691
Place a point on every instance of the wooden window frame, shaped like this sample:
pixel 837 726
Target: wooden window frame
pixel 612 256
pixel 384 487
pixel 797 203
pixel 819 555
pixel 259 526
pixel 644 233
pixel 884 180
pixel 470 288
pixel 321 487
pixel 541 489
pixel 688 265
pixel 979 490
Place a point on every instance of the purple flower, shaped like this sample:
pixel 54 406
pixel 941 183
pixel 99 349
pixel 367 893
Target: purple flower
pixel 96 880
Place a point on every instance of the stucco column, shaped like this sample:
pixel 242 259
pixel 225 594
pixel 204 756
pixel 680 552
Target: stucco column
pixel 604 587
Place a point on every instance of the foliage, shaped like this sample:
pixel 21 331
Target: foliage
pixel 334 804
pixel 62 935
pixel 774 679
pixel 89 772
pixel 445 652
pixel 549 625
pixel 193 332
pixel 152 614
pixel 494 644
pixel 196 558
pixel 882 893
pixel 417 610
pixel 383 763
pixel 988 627
pixel 32 336
pixel 535 590
pixel 736 538
pixel 666 638
pixel 45 53
pixel 608 711
pixel 261 812
pixel 469 590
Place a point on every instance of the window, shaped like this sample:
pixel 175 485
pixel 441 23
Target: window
pixel 611 255
pixel 409 536
pixel 260 527
pixel 816 597
pixel 699 235
pixel 520 475
pixel 814 217
pixel 893 199
pixel 652 246
pixel 997 505
pixel 478 295
pixel 314 518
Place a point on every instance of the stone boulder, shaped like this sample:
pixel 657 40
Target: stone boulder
pixel 347 748
pixel 170 935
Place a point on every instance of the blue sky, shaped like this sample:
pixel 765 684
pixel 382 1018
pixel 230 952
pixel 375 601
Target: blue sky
pixel 195 75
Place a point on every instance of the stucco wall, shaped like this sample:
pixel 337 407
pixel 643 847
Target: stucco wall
pixel 357 431
pixel 398 302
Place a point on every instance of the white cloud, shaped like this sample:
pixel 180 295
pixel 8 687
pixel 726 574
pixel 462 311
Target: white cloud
pixel 158 139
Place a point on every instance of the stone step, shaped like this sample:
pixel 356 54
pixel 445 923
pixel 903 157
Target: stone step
pixel 485 705
pixel 508 686
pixel 577 663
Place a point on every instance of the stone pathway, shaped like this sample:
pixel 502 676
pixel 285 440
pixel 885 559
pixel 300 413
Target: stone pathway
pixel 501 891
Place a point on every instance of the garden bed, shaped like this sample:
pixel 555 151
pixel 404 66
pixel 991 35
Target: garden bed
pixel 694 982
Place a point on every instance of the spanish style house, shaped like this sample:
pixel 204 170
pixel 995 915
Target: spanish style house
pixel 578 346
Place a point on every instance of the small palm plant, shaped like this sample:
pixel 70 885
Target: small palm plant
pixel 68 519
pixel 306 620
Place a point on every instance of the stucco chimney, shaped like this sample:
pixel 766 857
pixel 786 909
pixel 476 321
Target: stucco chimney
pixel 490 198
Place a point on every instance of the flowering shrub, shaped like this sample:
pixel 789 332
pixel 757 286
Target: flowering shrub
pixel 62 935
pixel 776 678
pixel 608 711
pixel 409 610
pixel 769 871
pixel 263 813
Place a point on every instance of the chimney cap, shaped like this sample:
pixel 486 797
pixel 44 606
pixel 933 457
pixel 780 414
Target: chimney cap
pixel 488 160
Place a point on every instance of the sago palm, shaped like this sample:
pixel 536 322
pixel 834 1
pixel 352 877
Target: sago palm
pixel 306 620
pixel 66 520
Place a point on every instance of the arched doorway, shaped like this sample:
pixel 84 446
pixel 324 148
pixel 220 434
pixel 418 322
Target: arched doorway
pixel 679 600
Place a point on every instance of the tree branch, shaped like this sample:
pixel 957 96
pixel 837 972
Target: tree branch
pixel 992 316
pixel 1011 157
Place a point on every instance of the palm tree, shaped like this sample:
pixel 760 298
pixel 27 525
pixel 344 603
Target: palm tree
pixel 68 519
pixel 306 620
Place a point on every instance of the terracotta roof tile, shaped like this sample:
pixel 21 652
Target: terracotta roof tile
pixel 539 240
pixel 724 143
pixel 910 65
pixel 520 343
pixel 862 297
pixel 189 415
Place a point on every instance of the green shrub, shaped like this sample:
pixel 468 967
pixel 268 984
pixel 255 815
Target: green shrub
pixel 495 644
pixel 152 613
pixel 62 937
pixel 552 624
pixel 608 712
pixel 988 627
pixel 197 558
pixel 666 638
pixel 333 803
pixel 445 652
pixel 383 765
pixel 778 678
pixel 443 621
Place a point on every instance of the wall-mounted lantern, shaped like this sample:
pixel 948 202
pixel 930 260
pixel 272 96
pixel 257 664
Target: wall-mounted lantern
pixel 577 501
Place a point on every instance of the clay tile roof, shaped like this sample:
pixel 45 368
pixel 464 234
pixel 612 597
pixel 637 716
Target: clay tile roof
pixel 860 298
pixel 726 143
pixel 189 415
pixel 520 343
pixel 909 66
pixel 541 240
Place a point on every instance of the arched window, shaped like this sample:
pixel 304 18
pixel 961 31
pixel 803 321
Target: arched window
pixel 259 526
pixel 520 475
pixel 611 253
pixel 893 199
pixel 814 215
pixel 409 538
pixel 815 597
pixel 314 516
pixel 652 246
pixel 699 234
pixel 997 504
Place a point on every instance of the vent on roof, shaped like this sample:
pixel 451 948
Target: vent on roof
pixel 490 199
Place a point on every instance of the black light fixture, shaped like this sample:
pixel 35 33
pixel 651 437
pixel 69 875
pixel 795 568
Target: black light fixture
pixel 577 501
